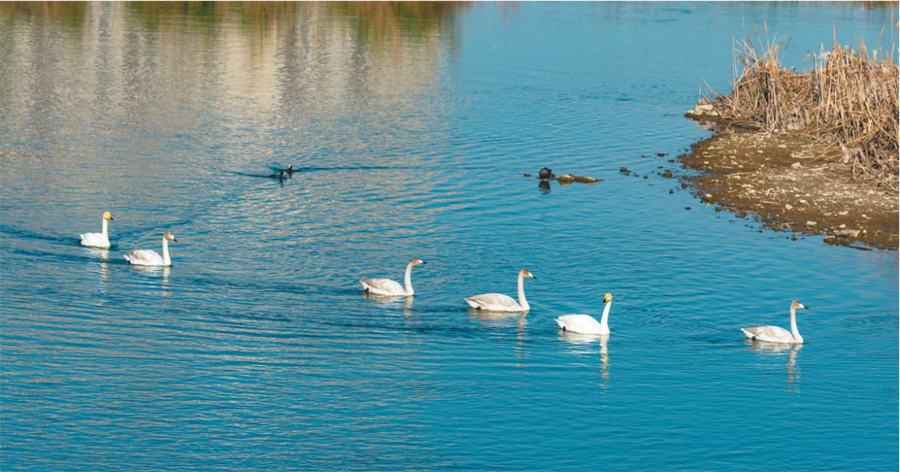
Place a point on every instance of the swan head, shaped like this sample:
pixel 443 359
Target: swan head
pixel 795 305
pixel 607 298
pixel 170 236
pixel 416 261
pixel 107 216
pixel 524 273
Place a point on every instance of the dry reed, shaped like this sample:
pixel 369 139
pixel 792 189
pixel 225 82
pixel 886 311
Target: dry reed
pixel 849 99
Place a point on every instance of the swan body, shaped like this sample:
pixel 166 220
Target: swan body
pixel 500 302
pixel 586 324
pixel 777 334
pixel 390 288
pixel 146 257
pixel 100 240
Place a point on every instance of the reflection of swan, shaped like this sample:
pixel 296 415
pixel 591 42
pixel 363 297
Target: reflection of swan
pixel 777 334
pixel 390 288
pixel 100 240
pixel 146 257
pixel 500 302
pixel 586 338
pixel 586 323
pixel 772 348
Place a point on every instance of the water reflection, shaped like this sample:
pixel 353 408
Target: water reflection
pixel 388 301
pixel 544 187
pixel 792 370
pixel 583 344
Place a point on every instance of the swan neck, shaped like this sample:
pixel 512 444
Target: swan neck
pixel 166 260
pixel 794 332
pixel 605 317
pixel 408 279
pixel 522 301
pixel 105 222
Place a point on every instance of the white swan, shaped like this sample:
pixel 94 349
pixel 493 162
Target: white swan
pixel 586 324
pixel 777 334
pixel 100 240
pixel 146 257
pixel 388 287
pixel 500 302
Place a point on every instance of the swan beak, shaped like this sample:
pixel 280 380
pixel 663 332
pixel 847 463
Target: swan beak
pixel 111 218
pixel 533 277
pixel 423 262
pixel 805 307
pixel 174 240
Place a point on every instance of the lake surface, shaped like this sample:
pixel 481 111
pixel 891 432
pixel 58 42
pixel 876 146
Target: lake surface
pixel 411 130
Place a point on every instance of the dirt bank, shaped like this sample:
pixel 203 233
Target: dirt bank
pixel 792 184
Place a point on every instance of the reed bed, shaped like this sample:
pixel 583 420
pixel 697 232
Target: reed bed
pixel 848 98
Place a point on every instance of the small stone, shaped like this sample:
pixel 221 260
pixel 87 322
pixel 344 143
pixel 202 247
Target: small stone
pixel 843 213
pixel 803 202
pixel 645 177
pixel 708 195
pixel 671 191
pixel 706 162
pixel 793 237
pixel 842 226
pixel 828 214
pixel 661 154
pixel 796 165
pixel 849 232
pixel 624 170
pixel 788 207
pixel 810 223
pixel 687 208
pixel 667 174
pixel 527 174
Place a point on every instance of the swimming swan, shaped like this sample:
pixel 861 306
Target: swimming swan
pixel 390 288
pixel 146 257
pixel 777 334
pixel 100 240
pixel 587 324
pixel 500 302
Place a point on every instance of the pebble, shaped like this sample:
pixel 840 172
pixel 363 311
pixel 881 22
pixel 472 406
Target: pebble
pixel 788 207
pixel 810 223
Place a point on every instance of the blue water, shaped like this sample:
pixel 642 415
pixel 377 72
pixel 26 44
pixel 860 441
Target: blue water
pixel 257 348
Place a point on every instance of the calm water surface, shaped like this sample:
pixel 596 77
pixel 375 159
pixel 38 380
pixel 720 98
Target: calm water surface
pixel 411 130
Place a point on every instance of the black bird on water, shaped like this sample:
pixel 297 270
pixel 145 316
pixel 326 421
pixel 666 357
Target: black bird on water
pixel 545 173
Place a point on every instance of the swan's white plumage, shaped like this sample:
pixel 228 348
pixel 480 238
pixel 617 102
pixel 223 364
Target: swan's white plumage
pixel 101 239
pixel 493 302
pixel 586 324
pixel 772 334
pixel 383 287
pixel 500 302
pixel 390 288
pixel 777 334
pixel 146 257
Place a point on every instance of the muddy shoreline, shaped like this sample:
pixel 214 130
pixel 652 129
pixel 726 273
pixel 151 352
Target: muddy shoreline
pixel 790 183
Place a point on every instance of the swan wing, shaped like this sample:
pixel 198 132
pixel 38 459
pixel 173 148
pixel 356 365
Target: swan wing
pixel 773 334
pixel 383 287
pixel 94 240
pixel 580 324
pixel 144 257
pixel 493 302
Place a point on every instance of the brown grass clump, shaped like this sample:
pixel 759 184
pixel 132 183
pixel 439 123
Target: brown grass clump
pixel 849 99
